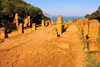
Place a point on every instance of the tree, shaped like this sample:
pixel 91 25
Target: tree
pixel 8 9
pixel 94 15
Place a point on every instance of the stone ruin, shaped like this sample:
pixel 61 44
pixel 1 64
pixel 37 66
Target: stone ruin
pixel 93 45
pixel 52 22
pixel 25 22
pixel 90 30
pixel 80 23
pixel 93 29
pixel 16 20
pixel 85 28
pixel 29 21
pixel 46 23
pixel 49 22
pixel 54 33
pixel 43 23
pixel 2 33
pixel 21 28
pixel 34 26
pixel 59 24
pixel 65 24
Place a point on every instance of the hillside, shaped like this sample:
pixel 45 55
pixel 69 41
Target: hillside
pixel 8 8
pixel 94 15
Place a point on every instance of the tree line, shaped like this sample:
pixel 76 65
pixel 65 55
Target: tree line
pixel 8 9
pixel 94 15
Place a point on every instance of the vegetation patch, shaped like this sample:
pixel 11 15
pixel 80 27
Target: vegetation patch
pixel 13 30
pixel 99 33
pixel 91 61
pixel 98 38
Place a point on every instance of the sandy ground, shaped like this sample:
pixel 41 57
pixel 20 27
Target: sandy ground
pixel 38 49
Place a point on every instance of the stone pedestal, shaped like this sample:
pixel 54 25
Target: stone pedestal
pixel 34 26
pixel 2 33
pixel 54 33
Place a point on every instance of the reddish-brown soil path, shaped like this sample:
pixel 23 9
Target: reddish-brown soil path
pixel 38 49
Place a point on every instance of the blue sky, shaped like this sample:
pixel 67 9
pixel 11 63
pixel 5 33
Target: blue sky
pixel 66 7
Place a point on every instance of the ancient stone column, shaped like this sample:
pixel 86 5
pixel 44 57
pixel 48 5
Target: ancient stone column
pixel 43 23
pixel 49 23
pixel 65 25
pixel 85 28
pixel 52 22
pixel 34 26
pixel 21 28
pixel 93 29
pixel 78 20
pixel 16 20
pixel 25 22
pixel 93 34
pixel 2 33
pixel 54 33
pixel 80 24
pixel 59 24
pixel 70 22
pixel 29 22
pixel 46 23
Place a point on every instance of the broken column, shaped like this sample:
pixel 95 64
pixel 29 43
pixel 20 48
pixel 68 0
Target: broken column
pixel 2 33
pixel 43 23
pixel 93 35
pixel 93 29
pixel 65 25
pixel 59 24
pixel 52 22
pixel 16 20
pixel 70 22
pixel 49 23
pixel 85 28
pixel 21 28
pixel 80 24
pixel 25 22
pixel 34 26
pixel 29 22
pixel 46 23
pixel 54 33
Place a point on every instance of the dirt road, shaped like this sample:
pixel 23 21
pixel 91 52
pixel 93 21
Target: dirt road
pixel 38 49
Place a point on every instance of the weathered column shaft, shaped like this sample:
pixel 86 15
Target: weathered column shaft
pixel 29 22
pixel 59 24
pixel 43 23
pixel 54 33
pixel 21 28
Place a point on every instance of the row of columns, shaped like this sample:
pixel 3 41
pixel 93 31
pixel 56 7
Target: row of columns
pixel 89 29
pixel 61 26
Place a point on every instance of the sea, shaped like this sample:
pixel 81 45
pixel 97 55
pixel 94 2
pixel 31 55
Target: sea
pixel 66 18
